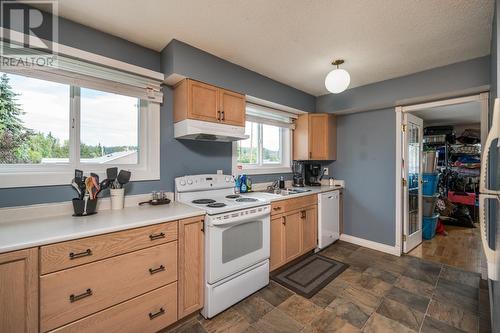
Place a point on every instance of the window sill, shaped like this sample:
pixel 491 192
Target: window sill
pixel 262 170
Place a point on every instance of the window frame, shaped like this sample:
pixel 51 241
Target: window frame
pixel 266 168
pixel 148 167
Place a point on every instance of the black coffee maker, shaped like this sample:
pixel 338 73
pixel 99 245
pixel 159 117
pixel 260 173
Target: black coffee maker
pixel 313 174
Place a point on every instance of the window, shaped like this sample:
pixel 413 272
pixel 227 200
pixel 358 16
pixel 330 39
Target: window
pixel 268 147
pixel 47 129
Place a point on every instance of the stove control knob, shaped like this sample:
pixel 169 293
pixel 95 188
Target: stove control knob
pixel 183 182
pixel 190 182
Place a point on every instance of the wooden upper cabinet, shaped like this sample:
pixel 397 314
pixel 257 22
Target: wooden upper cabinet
pixel 200 101
pixel 315 137
pixel 191 266
pixel 19 291
pixel 232 107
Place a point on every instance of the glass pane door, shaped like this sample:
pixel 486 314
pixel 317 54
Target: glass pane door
pixel 414 153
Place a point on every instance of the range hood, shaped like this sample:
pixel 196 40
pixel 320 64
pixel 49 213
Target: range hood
pixel 190 129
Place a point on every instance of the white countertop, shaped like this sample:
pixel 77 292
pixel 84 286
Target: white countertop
pixel 277 197
pixel 24 234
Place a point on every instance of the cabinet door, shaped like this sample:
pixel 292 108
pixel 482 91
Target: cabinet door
pixel 318 137
pixel 191 265
pixel 293 239
pixel 19 291
pixel 277 243
pixel 203 102
pixel 232 107
pixel 309 218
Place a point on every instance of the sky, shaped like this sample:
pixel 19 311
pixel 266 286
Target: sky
pixel 106 118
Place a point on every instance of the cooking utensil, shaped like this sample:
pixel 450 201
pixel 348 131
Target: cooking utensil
pixel 89 185
pixel 111 173
pixel 123 177
pixel 76 187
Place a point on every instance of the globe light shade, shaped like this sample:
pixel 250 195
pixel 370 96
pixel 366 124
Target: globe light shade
pixel 337 80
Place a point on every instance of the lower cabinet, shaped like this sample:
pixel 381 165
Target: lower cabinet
pixel 293 233
pixel 19 291
pixel 191 266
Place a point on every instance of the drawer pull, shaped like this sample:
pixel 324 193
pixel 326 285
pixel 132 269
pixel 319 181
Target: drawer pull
pixel 156 236
pixel 85 253
pixel 156 270
pixel 74 298
pixel 303 214
pixel 277 208
pixel 154 315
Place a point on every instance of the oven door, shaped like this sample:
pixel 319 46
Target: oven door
pixel 236 241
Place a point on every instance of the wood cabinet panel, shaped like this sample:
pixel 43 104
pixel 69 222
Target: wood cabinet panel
pixel 232 107
pixel 315 137
pixel 73 293
pixel 277 257
pixel 191 265
pixel 318 137
pixel 59 256
pixel 309 228
pixel 148 313
pixel 200 101
pixel 203 101
pixel 293 238
pixel 19 291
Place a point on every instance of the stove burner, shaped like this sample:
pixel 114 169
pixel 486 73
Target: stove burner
pixel 203 201
pixel 246 200
pixel 232 196
pixel 216 205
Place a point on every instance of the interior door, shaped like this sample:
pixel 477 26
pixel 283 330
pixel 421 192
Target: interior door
pixel 412 181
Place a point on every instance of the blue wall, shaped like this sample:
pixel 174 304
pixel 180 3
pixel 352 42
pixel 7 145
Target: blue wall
pixel 366 140
pixel 456 77
pixel 183 59
pixel 366 161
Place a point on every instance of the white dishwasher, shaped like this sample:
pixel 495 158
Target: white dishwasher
pixel 328 218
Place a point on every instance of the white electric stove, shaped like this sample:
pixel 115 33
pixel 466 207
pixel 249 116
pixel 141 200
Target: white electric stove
pixel 237 239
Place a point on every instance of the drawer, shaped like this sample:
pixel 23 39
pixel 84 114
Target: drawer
pixel 290 204
pixel 81 251
pixel 148 313
pixel 73 293
pixel 278 207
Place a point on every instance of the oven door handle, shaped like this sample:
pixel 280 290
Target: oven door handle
pixel 231 224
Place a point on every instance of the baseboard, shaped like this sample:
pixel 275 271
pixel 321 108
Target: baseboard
pixel 371 244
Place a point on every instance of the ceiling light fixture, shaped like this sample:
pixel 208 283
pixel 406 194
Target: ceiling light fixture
pixel 337 80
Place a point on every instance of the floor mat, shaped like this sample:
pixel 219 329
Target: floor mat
pixel 309 275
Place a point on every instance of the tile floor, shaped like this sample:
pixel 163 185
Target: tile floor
pixel 461 248
pixel 377 293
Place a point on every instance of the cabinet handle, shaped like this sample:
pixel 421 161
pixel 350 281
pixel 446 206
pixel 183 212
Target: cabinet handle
pixel 303 214
pixel 202 227
pixel 86 253
pixel 156 314
pixel 222 114
pixel 284 220
pixel 310 155
pixel 156 236
pixel 156 270
pixel 218 115
pixel 74 298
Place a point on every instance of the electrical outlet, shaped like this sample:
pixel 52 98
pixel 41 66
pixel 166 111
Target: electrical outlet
pixel 325 171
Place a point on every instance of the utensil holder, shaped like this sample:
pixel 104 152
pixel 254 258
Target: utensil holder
pixel 117 196
pixel 80 209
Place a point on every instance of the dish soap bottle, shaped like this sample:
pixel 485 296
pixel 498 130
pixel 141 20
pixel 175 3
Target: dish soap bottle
pixel 243 184
pixel 237 184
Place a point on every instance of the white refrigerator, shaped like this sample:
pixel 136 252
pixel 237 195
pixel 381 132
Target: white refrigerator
pixel 489 193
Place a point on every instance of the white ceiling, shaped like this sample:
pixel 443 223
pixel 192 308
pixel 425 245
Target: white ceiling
pixel 294 41
pixel 458 114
